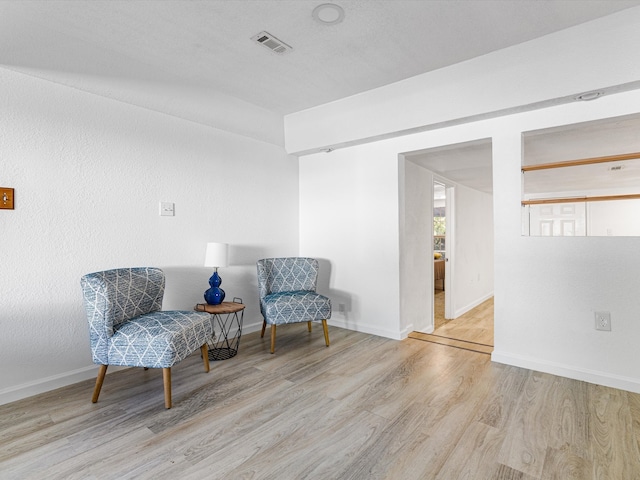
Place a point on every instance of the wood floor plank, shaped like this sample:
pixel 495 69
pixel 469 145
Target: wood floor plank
pixel 526 443
pixel 614 445
pixel 476 325
pixel 364 408
pixel 474 455
pixel 279 423
pixel 568 405
pixel 317 447
pixel 563 464
pixel 506 390
pixel 634 408
pixel 503 472
pixel 432 425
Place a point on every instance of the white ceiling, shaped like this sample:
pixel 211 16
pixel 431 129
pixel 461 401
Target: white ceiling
pixel 109 46
pixel 206 43
pixel 464 163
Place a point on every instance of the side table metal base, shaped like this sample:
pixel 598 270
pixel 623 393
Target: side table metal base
pixel 227 328
pixel 223 353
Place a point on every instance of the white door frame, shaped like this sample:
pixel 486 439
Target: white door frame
pixel 449 240
pixel 449 251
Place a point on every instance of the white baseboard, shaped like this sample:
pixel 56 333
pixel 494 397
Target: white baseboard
pixel 429 330
pixel 251 327
pixel 569 371
pixel 472 305
pixel 404 333
pixel 394 335
pixel 333 321
pixel 18 392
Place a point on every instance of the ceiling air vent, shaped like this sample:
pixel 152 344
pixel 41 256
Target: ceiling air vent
pixel 272 43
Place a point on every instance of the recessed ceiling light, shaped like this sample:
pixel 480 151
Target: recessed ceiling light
pixel 585 97
pixel 328 14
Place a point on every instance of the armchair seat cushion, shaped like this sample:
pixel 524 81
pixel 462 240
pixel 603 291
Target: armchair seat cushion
pixel 159 339
pixel 295 306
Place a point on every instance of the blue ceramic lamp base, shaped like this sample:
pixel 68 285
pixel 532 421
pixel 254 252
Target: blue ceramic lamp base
pixel 214 295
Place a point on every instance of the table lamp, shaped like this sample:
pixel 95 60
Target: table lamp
pixel 215 257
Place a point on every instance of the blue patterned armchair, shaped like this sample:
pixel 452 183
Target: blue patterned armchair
pixel 287 288
pixel 128 328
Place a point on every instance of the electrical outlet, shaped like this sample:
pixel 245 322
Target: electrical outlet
pixel 603 321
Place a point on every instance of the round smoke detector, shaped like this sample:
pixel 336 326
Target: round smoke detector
pixel 328 14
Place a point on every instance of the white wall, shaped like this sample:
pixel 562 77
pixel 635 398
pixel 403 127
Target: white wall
pixel 546 289
pixel 618 217
pixel 349 217
pixel 88 174
pixel 355 212
pixel 471 254
pixel 473 250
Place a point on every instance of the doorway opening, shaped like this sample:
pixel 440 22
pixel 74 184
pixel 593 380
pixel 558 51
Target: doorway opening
pixel 459 305
pixel 442 235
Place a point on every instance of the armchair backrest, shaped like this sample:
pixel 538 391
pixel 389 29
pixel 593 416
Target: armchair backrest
pixel 287 274
pixel 114 296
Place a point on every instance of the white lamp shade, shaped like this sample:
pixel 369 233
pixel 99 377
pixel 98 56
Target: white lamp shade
pixel 217 255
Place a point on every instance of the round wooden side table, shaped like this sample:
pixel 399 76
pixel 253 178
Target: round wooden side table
pixel 227 328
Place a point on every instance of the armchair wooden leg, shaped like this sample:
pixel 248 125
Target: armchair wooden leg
pixel 205 356
pixel 273 337
pixel 166 377
pixel 99 380
pixel 326 332
pixel 264 326
pixel 309 325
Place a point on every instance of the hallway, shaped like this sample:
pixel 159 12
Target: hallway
pixel 470 331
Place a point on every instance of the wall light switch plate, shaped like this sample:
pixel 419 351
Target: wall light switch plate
pixel 167 209
pixel 6 198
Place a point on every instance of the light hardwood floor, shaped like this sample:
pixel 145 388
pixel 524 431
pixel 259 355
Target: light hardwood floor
pixel 364 408
pixel 476 325
pixel 438 308
pixel 472 330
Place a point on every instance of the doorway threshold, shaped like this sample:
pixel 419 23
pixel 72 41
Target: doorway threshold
pixel 452 342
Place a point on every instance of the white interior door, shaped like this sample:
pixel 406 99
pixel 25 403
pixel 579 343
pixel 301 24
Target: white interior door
pixel 449 257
